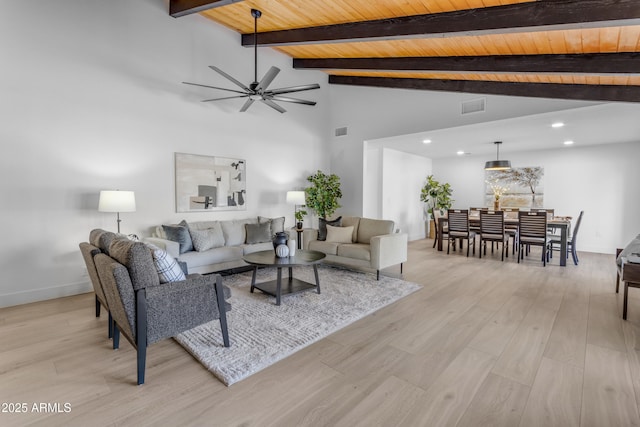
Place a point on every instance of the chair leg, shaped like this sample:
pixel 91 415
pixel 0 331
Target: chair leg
pixel 617 282
pixel 377 274
pixel 116 336
pixel 574 254
pixel 468 244
pixel 110 326
pixel 624 304
pixel 401 268
pixel 223 311
pixel 449 245
pixel 141 332
pixel 97 307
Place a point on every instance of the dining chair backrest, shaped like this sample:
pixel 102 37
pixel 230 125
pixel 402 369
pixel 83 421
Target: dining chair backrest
pixel 458 220
pixel 576 228
pixel 550 212
pixel 533 224
pixel 492 222
pixel 510 213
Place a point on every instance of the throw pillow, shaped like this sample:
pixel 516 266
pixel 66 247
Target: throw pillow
pixel 339 234
pixel 166 265
pixel 258 233
pixel 179 233
pixel 322 226
pixel 207 239
pixel 277 224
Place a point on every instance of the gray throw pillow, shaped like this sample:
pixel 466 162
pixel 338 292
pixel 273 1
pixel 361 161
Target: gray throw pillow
pixel 179 233
pixel 322 226
pixel 258 233
pixel 207 239
pixel 277 224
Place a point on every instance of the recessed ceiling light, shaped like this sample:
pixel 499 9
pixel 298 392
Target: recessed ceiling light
pixel 568 143
pixel 557 125
pixel 460 152
pixel 426 141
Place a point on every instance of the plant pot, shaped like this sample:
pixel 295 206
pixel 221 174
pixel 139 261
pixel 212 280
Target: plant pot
pixel 432 229
pixel 299 225
pixel 496 205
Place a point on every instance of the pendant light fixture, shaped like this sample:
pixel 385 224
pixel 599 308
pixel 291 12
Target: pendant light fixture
pixel 497 164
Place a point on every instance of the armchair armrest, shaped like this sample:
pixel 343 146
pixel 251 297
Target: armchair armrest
pixel 388 250
pixel 171 247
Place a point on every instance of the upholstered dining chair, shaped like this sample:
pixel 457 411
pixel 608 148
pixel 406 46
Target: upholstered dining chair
pixel 554 241
pixel 147 311
pixel 533 232
pixel 492 230
pixel 459 229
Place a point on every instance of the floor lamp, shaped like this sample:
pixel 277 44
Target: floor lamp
pixel 117 201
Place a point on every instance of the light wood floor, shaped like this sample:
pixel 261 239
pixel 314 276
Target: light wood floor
pixel 484 343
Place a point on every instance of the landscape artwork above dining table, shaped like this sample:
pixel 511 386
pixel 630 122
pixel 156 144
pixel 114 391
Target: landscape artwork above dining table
pixel 520 187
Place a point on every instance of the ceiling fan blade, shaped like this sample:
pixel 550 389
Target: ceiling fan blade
pixel 246 105
pixel 213 87
pixel 273 105
pixel 228 77
pixel 294 89
pixel 226 97
pixel 268 78
pixel 294 100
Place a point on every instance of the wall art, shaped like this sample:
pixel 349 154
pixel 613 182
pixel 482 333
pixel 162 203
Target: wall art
pixel 515 187
pixel 208 183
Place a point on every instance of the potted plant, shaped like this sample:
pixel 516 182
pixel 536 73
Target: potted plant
pixel 436 196
pixel 323 194
pixel 299 217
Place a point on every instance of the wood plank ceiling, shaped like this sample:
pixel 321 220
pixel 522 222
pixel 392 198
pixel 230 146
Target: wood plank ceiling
pixel 569 49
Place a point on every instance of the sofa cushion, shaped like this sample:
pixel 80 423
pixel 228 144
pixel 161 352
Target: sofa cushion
pixel 258 233
pixel 277 224
pixel 328 248
pixel 322 226
pixel 179 233
pixel 257 247
pixel 373 227
pixel 355 250
pixel 339 234
pixel 234 231
pixel 212 256
pixel 166 265
pixel 207 239
pixel 352 221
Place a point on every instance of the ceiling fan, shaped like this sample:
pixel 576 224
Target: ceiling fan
pixel 257 91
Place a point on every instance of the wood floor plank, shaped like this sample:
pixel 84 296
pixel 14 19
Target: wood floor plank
pixel 608 394
pixel 556 396
pixel 568 340
pixel 498 403
pixel 521 358
pixel 449 396
pixel 604 326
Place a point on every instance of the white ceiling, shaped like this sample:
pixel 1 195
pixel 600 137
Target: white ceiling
pixel 594 125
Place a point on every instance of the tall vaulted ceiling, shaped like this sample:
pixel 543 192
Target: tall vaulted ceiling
pixel 569 49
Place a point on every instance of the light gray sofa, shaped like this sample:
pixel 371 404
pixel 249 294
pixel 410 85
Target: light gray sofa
pixel 374 245
pixel 229 238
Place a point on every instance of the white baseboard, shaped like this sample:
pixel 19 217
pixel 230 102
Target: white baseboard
pixel 35 295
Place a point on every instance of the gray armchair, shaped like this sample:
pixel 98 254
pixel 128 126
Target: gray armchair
pixel 146 311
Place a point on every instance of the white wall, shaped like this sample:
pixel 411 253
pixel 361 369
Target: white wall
pixel 372 183
pixel 371 113
pixel 403 177
pixel 601 180
pixel 92 100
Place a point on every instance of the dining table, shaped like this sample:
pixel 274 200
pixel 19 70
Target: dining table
pixel 557 223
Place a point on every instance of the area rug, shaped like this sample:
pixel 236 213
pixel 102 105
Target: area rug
pixel 262 333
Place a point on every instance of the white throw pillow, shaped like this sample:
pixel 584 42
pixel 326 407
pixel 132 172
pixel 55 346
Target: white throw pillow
pixel 339 234
pixel 166 265
pixel 207 239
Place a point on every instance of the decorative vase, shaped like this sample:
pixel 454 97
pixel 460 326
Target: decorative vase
pixel 291 244
pixel 280 238
pixel 496 205
pixel 282 251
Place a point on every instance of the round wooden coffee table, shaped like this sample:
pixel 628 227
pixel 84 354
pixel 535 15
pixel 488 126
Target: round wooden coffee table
pixel 293 285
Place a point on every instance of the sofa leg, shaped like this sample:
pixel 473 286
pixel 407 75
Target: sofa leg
pixel 377 274
pixel 400 268
pixel 222 310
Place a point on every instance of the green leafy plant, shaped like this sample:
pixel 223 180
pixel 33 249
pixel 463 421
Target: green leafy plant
pixel 300 214
pixel 323 194
pixel 436 195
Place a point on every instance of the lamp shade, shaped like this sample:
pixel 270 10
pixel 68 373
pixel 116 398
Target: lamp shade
pixel 296 197
pixel 497 164
pixel 117 201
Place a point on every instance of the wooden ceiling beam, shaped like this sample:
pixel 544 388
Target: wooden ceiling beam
pixel 534 16
pixel 537 90
pixel 178 8
pixel 597 63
